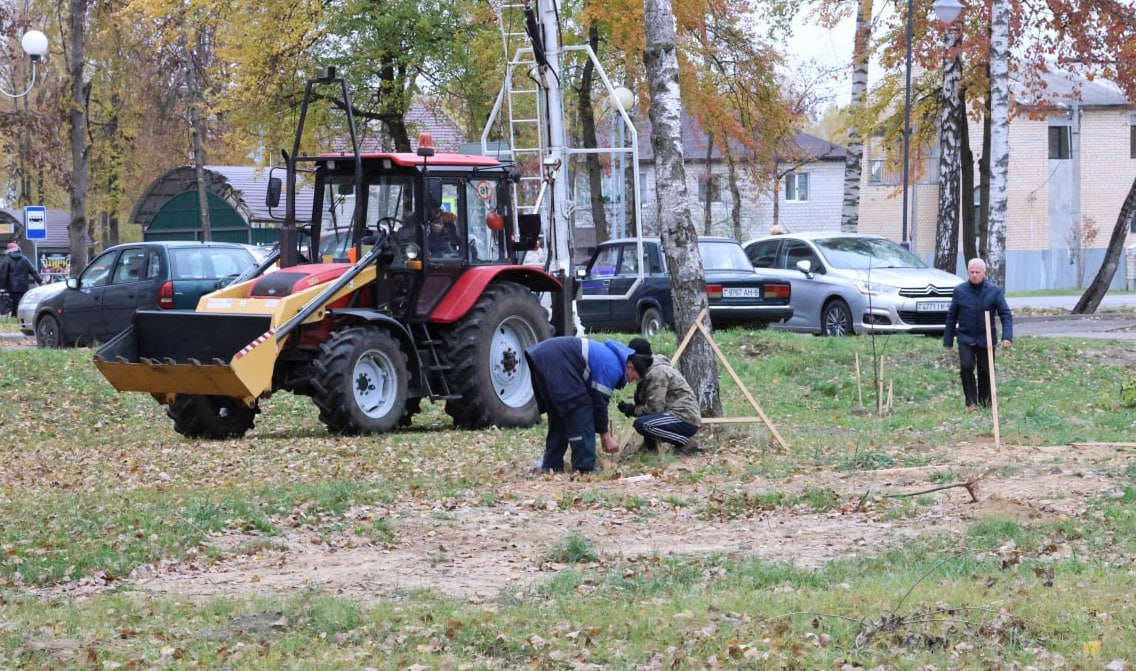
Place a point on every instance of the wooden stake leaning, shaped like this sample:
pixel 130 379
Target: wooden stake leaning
pixel 697 326
pixel 993 387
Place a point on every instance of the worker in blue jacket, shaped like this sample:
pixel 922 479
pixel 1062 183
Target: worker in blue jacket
pixel 965 319
pixel 573 379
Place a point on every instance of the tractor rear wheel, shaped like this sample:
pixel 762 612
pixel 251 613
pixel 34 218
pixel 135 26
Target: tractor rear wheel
pixel 487 348
pixel 211 417
pixel 360 382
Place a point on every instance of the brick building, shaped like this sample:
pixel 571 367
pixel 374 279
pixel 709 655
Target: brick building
pixel 1072 161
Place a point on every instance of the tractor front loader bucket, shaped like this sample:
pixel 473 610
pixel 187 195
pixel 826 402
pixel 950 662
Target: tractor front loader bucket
pixel 169 352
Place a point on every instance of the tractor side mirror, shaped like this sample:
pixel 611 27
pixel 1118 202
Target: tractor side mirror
pixel 433 193
pixel 272 195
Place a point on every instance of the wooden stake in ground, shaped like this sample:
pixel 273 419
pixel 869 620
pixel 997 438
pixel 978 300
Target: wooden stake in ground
pixel 993 387
pixel 859 386
pixel 880 388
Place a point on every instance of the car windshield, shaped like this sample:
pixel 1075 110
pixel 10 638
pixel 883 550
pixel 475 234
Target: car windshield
pixel 723 255
pixel 867 253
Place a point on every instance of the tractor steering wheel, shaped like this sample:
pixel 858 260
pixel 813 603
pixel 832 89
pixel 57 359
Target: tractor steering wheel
pixel 390 223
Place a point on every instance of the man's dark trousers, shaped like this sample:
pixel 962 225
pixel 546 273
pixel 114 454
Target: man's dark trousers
pixel 971 357
pixel 666 427
pixel 574 428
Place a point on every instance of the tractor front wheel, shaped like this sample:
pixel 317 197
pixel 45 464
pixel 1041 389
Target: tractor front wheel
pixel 211 417
pixel 487 348
pixel 361 382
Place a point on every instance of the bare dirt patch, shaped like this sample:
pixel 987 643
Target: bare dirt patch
pixel 479 551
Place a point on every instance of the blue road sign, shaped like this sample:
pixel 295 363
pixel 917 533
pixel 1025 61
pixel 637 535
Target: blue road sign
pixel 35 222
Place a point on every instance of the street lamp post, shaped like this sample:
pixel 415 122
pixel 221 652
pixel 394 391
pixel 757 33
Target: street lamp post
pixel 907 118
pixel 35 46
pixel 624 98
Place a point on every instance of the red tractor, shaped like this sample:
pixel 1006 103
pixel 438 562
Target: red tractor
pixel 404 282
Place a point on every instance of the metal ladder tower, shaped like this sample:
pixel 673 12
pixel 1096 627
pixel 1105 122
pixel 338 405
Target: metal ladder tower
pixel 530 106
pixel 519 106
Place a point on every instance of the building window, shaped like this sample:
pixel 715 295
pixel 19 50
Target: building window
pixel 1059 145
pixel 797 187
pixel 710 189
pixel 875 172
pixel 880 174
pixel 1132 141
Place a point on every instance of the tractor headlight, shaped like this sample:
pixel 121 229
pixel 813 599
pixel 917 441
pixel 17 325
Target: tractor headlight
pixel 411 252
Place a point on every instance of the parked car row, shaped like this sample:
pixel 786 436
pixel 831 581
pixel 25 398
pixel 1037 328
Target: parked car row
pixel 736 294
pixel 824 283
pixel 101 302
pixel 832 284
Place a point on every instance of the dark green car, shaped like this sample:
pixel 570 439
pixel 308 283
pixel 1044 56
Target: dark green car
pixel 169 275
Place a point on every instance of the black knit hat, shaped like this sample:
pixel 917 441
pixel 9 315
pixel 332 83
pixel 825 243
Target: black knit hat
pixel 641 346
pixel 641 362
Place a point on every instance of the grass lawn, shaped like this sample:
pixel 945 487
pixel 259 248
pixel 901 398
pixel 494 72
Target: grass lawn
pixel 127 546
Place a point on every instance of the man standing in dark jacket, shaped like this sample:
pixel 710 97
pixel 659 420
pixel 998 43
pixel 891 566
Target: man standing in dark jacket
pixel 573 379
pixel 15 269
pixel 970 302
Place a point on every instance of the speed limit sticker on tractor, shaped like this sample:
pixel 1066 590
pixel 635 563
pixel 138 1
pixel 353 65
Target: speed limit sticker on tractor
pixel 485 190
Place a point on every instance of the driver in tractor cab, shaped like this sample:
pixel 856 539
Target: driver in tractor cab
pixel 442 238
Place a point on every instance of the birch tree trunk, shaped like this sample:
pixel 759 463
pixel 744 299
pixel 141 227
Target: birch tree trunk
pixel 1090 300
pixel 80 148
pixel 950 144
pixel 196 130
pixel 854 153
pixel 679 237
pixel 735 194
pixel 776 195
pixel 999 138
pixel 708 204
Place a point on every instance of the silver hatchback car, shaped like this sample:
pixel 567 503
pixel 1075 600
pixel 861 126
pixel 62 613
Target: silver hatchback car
pixel 846 283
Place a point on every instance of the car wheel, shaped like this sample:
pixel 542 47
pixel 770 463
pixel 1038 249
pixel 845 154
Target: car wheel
pixel 48 333
pixel 836 319
pixel 651 323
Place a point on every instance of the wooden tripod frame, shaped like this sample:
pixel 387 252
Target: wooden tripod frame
pixel 698 327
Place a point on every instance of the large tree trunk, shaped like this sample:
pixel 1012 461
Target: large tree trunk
pixel 1090 300
pixel 950 142
pixel 679 238
pixel 854 152
pixel 196 131
pixel 80 149
pixel 588 126
pixel 999 138
pixel 969 248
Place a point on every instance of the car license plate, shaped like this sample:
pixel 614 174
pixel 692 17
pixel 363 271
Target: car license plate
pixel 741 292
pixel 932 306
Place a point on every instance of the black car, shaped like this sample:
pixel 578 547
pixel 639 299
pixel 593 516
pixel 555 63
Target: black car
pixel 101 302
pixel 737 295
